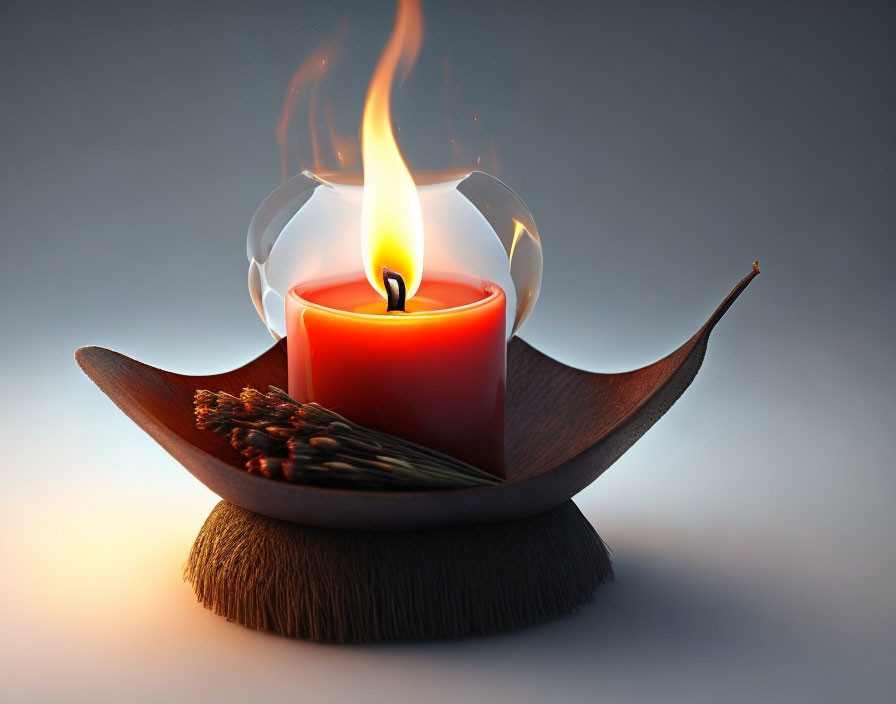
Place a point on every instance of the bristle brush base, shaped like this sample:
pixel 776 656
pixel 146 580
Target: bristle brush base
pixel 346 586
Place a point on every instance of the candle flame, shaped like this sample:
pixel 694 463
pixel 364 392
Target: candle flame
pixel 391 216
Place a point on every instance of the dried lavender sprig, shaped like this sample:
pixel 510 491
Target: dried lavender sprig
pixel 422 457
pixel 310 444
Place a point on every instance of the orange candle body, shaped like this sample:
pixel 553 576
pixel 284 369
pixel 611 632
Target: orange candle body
pixel 434 375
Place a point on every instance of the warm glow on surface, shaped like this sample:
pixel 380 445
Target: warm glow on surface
pixel 391 217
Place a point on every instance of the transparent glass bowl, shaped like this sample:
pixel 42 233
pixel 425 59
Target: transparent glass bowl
pixel 310 228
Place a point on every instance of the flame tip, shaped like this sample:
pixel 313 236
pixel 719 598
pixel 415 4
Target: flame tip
pixel 391 215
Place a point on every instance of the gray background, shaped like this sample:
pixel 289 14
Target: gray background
pixel 661 147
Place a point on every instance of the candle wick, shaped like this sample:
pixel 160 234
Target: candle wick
pixel 395 290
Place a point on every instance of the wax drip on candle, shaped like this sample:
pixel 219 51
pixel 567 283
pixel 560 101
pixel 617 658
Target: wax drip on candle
pixel 395 290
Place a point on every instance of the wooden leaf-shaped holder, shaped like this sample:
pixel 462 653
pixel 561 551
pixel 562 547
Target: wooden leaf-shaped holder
pixel 506 543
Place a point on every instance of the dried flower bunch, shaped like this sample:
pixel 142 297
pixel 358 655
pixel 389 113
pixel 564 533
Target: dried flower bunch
pixel 307 444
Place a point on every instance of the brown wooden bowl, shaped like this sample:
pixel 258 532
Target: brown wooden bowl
pixel 564 428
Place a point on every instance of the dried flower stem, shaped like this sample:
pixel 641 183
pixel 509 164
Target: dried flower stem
pixel 308 444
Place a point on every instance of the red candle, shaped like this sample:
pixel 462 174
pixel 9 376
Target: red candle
pixel 433 374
